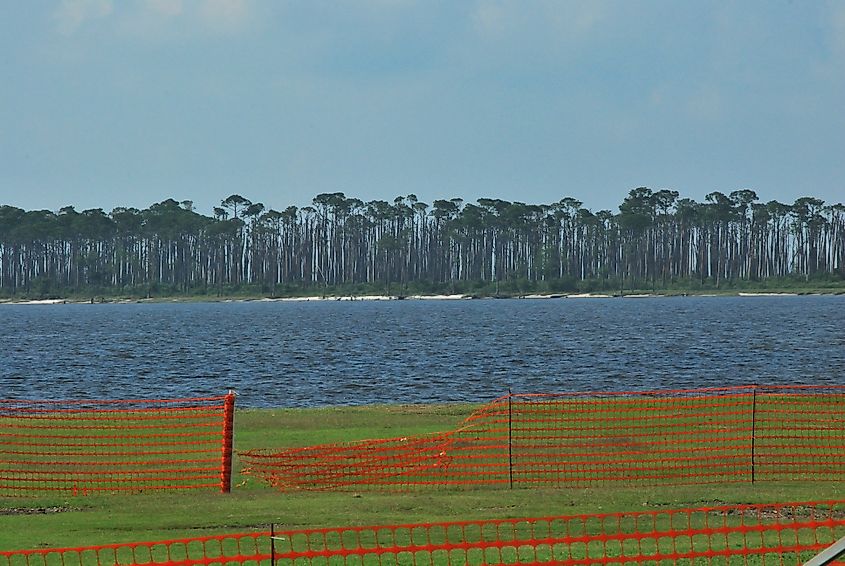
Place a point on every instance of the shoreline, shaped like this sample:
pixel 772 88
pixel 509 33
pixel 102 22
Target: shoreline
pixel 440 297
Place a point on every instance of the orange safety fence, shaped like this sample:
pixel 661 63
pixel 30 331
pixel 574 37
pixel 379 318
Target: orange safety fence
pixel 714 435
pixel 84 447
pixel 784 534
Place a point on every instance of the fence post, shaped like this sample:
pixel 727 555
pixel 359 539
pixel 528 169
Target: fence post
pixel 228 433
pixel 510 438
pixel 272 544
pixel 753 429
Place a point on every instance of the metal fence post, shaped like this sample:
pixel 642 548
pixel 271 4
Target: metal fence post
pixel 272 544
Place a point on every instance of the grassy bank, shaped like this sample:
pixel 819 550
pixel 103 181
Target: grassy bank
pixel 102 519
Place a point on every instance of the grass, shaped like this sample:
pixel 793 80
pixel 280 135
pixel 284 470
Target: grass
pixel 58 521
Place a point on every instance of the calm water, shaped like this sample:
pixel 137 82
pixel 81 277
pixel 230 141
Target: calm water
pixel 328 353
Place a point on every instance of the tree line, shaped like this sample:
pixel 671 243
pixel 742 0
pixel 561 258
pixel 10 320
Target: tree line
pixel 655 240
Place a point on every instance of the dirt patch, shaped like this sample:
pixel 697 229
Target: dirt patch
pixel 789 513
pixel 35 510
pixel 677 505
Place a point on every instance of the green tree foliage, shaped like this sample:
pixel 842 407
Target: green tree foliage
pixel 656 239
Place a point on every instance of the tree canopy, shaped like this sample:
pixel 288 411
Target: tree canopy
pixel 655 239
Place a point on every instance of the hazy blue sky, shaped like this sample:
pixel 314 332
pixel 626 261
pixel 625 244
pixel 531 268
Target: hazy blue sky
pixel 108 103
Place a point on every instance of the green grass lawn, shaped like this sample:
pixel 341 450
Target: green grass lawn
pixel 64 520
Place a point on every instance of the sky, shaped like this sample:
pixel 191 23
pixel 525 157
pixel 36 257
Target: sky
pixel 107 103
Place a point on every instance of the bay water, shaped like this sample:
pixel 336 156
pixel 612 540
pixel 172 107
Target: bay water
pixel 294 354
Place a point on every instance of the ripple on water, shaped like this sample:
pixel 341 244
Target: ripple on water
pixel 318 353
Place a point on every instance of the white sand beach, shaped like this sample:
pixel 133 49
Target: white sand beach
pixel 36 302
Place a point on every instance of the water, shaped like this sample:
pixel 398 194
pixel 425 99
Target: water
pixel 285 354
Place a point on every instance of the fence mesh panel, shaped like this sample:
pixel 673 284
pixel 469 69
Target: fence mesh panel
pixel 82 447
pixel 783 534
pixel 739 434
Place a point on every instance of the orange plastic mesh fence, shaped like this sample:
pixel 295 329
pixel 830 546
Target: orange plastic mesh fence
pixel 82 447
pixel 739 434
pixel 745 534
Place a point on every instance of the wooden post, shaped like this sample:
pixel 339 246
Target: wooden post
pixel 228 434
